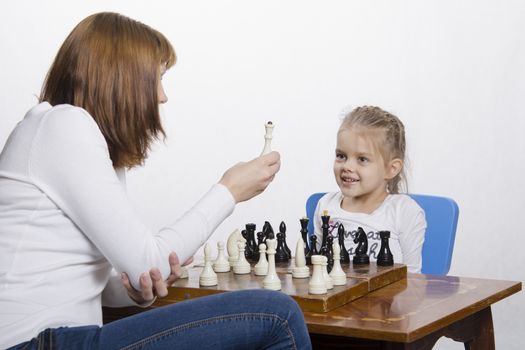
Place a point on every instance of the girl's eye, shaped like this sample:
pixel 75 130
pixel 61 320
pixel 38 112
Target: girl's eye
pixel 340 156
pixel 362 159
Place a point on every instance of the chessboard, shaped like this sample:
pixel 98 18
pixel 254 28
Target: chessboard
pixel 361 279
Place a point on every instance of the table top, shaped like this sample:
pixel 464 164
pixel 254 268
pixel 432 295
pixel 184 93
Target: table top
pixel 409 309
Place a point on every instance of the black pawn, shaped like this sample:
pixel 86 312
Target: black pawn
pixel 280 253
pixel 282 229
pixel 251 252
pixel 345 257
pixel 324 228
pixel 329 252
pixel 260 239
pixel 361 252
pixel 304 235
pixel 385 257
pixel 313 246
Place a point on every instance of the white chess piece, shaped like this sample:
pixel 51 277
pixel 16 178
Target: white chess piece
pixel 326 276
pixel 268 138
pixel 337 273
pixel 231 246
pixel 242 266
pixel 271 281
pixel 300 269
pixel 261 269
pixel 221 264
pixel 208 277
pixel 317 284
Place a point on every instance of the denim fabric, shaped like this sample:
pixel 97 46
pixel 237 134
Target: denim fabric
pixel 249 319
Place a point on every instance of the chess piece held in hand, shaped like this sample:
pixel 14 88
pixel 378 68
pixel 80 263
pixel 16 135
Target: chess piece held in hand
pixel 268 138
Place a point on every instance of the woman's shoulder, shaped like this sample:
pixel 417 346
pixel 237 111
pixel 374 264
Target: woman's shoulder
pixel 68 121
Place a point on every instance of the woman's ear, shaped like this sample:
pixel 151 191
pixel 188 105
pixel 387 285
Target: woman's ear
pixel 393 168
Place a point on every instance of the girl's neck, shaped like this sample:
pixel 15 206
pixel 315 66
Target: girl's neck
pixel 364 204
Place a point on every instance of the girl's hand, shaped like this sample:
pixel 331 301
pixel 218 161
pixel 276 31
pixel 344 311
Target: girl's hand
pixel 247 179
pixel 151 283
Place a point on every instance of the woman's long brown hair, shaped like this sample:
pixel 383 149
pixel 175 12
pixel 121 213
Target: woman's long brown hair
pixel 109 65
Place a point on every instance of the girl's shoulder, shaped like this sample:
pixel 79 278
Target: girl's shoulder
pixel 331 199
pixel 401 202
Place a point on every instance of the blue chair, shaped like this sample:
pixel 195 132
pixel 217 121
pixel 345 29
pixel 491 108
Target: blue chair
pixel 442 218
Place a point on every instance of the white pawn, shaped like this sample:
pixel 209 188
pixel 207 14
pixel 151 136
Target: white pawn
pixel 337 273
pixel 300 269
pixel 327 278
pixel 261 269
pixel 271 281
pixel 221 264
pixel 317 284
pixel 208 277
pixel 242 266
pixel 268 138
pixel 231 246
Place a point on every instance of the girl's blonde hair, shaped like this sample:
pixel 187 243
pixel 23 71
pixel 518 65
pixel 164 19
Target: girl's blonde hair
pixel 110 66
pixel 390 141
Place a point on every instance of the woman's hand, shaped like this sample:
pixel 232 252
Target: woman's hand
pixel 247 179
pixel 151 283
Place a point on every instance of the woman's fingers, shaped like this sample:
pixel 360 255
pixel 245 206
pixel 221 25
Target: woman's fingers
pixel 159 286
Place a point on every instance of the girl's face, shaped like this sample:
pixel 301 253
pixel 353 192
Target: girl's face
pixel 160 89
pixel 359 168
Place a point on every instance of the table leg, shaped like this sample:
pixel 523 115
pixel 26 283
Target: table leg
pixel 475 332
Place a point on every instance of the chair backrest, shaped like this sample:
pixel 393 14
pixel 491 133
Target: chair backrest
pixel 442 217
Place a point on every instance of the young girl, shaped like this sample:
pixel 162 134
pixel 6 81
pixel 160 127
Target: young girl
pixel 368 169
pixel 68 231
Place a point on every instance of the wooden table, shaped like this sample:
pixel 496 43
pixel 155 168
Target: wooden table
pixel 412 313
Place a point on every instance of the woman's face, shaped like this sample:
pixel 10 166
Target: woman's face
pixel 160 89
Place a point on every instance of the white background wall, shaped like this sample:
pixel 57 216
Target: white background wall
pixel 453 71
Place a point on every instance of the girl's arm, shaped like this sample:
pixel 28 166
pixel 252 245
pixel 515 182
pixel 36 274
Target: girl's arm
pixel 413 226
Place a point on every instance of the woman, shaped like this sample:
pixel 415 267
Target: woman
pixel 68 232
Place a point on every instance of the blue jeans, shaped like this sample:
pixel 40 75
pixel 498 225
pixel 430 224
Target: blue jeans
pixel 248 319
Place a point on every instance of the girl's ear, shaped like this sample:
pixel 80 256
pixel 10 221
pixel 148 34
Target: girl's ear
pixel 393 168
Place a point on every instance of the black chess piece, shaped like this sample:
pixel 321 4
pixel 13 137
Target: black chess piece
pixel 361 252
pixel 280 254
pixel 268 231
pixel 282 229
pixel 260 239
pixel 385 257
pixel 325 218
pixel 345 257
pixel 329 252
pixel 304 235
pixel 251 252
pixel 313 246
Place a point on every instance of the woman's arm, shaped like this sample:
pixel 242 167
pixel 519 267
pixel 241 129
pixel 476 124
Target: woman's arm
pixel 70 163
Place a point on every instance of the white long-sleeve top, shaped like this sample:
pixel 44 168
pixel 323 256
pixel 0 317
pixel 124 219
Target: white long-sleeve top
pixel 67 227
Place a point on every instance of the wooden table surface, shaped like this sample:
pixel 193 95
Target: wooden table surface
pixel 417 310
pixel 411 313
